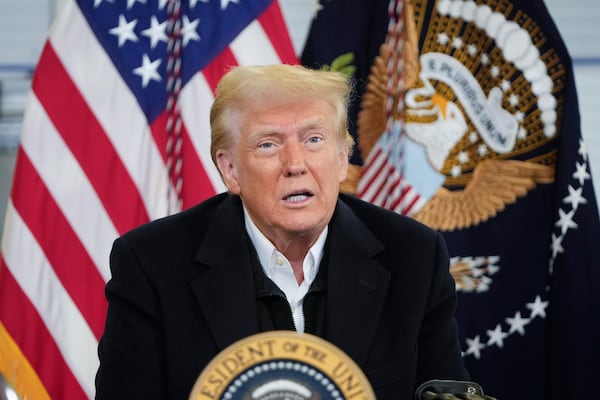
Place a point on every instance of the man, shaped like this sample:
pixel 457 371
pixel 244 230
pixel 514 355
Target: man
pixel 281 250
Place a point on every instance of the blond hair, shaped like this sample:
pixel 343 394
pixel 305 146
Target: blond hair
pixel 243 84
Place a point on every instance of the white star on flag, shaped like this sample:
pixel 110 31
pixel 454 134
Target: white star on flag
pixel 538 307
pixel 156 32
pixel 517 324
pixel 556 245
pixel 148 70
pixel 575 197
pixel 581 174
pixel 565 220
pixel 497 336
pixel 475 346
pixel 125 30
pixel 189 30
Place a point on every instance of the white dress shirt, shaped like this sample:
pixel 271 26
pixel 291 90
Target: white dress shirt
pixel 279 269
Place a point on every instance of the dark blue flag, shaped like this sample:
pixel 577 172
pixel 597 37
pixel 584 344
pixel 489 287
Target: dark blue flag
pixel 477 134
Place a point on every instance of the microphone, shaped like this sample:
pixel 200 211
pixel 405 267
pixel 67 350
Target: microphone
pixel 438 389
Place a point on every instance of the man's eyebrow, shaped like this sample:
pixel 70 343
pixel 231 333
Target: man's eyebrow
pixel 266 131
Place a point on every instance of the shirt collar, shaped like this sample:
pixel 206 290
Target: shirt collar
pixel 266 251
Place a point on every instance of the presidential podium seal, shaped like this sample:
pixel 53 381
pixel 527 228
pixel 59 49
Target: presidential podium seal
pixel 282 365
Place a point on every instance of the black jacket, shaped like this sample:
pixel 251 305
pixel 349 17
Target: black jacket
pixel 182 290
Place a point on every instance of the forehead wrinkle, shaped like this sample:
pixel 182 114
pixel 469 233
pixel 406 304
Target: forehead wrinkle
pixel 312 124
pixel 270 129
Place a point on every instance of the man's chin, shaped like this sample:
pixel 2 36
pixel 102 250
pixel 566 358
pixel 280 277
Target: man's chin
pixel 303 226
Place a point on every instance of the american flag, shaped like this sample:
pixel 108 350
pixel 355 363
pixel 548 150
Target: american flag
pixel 115 134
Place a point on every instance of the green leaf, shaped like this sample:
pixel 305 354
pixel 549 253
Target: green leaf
pixel 343 64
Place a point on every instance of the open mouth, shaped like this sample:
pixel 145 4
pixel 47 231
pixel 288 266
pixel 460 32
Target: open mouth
pixel 298 197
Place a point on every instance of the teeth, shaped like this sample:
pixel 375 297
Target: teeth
pixel 297 197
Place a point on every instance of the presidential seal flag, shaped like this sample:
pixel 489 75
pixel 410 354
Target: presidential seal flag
pixel 282 365
pixel 469 123
pixel 115 134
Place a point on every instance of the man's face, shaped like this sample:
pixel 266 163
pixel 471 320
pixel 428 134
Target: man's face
pixel 286 165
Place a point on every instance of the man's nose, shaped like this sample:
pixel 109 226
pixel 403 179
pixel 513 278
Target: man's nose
pixel 294 161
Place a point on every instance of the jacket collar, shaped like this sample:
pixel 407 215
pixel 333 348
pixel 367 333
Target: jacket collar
pixel 357 284
pixel 225 289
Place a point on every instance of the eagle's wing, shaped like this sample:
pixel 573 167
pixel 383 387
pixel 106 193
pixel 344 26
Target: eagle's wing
pixel 495 184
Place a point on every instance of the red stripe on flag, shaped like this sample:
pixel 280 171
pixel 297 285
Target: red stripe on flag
pixel 218 67
pixel 88 142
pixel 273 24
pixel 394 195
pixel 393 188
pixel 159 133
pixel 63 249
pixel 407 209
pixel 369 183
pixel 199 186
pixel 25 326
pixel 397 199
pixel 383 182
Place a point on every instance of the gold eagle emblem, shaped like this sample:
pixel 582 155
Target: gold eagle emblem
pixel 487 150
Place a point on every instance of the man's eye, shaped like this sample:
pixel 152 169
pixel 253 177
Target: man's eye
pixel 315 139
pixel 266 145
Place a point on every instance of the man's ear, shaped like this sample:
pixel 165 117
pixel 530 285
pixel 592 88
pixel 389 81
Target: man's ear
pixel 227 168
